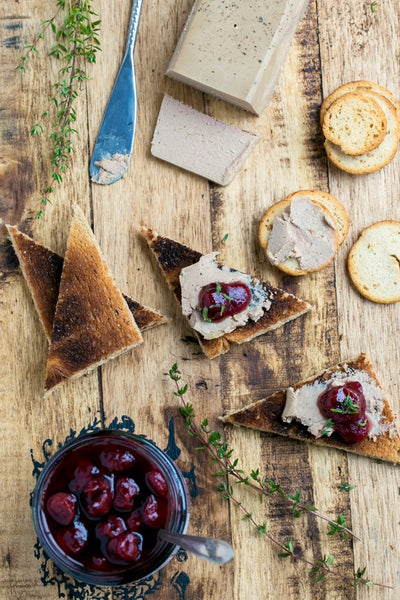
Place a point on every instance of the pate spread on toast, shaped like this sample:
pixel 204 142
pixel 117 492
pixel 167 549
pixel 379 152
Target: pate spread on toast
pixel 266 415
pixel 173 256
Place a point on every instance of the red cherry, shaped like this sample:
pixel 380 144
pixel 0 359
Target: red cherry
pixel 117 459
pixel 97 496
pixel 125 547
pixel 110 528
pixel 157 483
pixel 354 432
pixel 221 300
pixel 155 512
pixel 83 471
pixel 345 406
pixel 62 507
pixel 73 539
pixel 126 490
pixel 99 563
pixel 135 520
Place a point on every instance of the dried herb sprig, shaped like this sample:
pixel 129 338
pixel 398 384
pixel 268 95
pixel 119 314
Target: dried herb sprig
pixel 76 43
pixel 222 455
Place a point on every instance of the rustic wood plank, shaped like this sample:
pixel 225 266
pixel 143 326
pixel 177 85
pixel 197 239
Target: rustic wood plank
pixel 291 158
pixel 357 43
pixel 174 203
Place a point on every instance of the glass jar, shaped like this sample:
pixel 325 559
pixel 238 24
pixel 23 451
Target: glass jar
pixel 82 503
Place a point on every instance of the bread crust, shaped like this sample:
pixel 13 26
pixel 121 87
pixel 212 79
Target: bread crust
pixel 374 262
pixel 328 203
pixel 265 415
pixel 41 268
pixel 92 321
pixel 172 257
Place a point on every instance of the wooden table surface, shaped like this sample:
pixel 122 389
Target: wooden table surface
pixel 336 42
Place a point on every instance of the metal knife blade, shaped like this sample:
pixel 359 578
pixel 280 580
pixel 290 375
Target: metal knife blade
pixel 113 149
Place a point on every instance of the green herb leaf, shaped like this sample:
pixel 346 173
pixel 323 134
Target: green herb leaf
pixel 205 315
pixel 347 407
pixel 346 487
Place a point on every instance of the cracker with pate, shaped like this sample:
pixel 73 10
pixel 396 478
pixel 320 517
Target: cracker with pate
pixel 301 233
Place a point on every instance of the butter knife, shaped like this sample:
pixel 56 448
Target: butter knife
pixel 113 149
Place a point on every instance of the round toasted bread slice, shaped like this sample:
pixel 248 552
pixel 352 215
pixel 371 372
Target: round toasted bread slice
pixel 374 262
pixel 324 202
pixel 375 159
pixel 361 85
pixel 355 122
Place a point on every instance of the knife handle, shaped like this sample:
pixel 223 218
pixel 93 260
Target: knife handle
pixel 133 25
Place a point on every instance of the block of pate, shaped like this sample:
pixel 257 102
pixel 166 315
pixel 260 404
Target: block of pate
pixel 198 143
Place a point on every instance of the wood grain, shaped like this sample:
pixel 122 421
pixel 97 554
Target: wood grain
pixel 336 42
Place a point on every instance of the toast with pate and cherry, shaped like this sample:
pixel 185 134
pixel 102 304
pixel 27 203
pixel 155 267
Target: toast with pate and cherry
pixel 343 407
pixel 224 306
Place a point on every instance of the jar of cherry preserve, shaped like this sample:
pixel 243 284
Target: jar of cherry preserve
pixel 99 503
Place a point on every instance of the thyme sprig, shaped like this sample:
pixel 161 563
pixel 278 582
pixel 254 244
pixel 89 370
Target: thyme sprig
pixel 223 456
pixel 76 43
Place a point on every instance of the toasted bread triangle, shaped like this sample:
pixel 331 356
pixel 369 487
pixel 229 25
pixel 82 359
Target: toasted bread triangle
pixel 173 256
pixel 265 415
pixel 42 269
pixel 92 321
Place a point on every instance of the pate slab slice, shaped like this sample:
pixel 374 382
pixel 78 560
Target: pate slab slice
pixel 41 268
pixel 266 414
pixel 92 321
pixel 280 307
pixel 200 144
